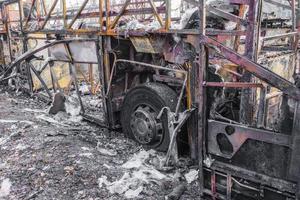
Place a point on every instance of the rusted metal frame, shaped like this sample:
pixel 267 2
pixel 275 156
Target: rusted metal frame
pixel 168 15
pixel 226 15
pixel 41 80
pixel 256 69
pixel 66 32
pixel 91 78
pixel 101 15
pixel 167 79
pixel 188 86
pixel 95 14
pixel 229 181
pixel 156 14
pixel 49 14
pixel 23 36
pixel 25 47
pixel 116 20
pixel 99 50
pixel 192 130
pixel 240 135
pixel 246 104
pixel 279 36
pixel 294 169
pixel 142 11
pixel 74 76
pixel 30 53
pixel 106 49
pixel 138 33
pixel 255 177
pixel 30 12
pixel 119 5
pixel 77 14
pixel 213 185
pixel 233 84
pixel 261 108
pixel 210 32
pixel 294 29
pixel 257 44
pixel 64 9
pixel 217 195
pixel 160 6
pixel 201 62
pixel 107 13
pixel 5 15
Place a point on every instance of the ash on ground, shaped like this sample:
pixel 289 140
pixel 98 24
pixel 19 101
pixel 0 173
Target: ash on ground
pixel 61 156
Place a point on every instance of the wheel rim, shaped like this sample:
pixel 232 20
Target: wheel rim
pixel 146 128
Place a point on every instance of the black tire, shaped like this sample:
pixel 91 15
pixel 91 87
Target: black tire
pixel 156 96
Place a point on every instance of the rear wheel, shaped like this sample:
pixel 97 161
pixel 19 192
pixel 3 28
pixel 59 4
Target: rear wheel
pixel 139 113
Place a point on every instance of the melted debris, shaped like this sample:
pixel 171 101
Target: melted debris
pixel 55 157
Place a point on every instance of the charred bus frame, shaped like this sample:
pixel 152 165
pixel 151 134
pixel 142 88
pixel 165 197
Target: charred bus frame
pixel 202 131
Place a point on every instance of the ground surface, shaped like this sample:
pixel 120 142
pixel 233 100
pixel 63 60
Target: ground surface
pixel 57 157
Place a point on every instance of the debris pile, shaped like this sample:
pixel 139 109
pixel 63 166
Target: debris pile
pixel 53 157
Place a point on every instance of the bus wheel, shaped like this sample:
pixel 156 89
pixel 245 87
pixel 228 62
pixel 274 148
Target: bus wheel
pixel 139 113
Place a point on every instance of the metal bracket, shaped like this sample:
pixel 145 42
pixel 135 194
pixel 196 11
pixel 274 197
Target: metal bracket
pixel 175 122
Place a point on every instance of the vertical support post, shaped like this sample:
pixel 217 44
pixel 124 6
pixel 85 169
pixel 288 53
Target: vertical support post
pixel 5 15
pixel 200 93
pixel 168 15
pixel 107 69
pixel 297 37
pixel 213 187
pixel 246 111
pixel 107 13
pixel 101 15
pixel 229 187
pixel 261 108
pixel 25 47
pixel 91 77
pixel 191 99
pixel 298 17
pixel 237 38
pixel 294 168
pixel 64 6
pixel 99 49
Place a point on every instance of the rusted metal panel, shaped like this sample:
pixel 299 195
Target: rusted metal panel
pixel 258 70
pixel 147 44
pixel 237 136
